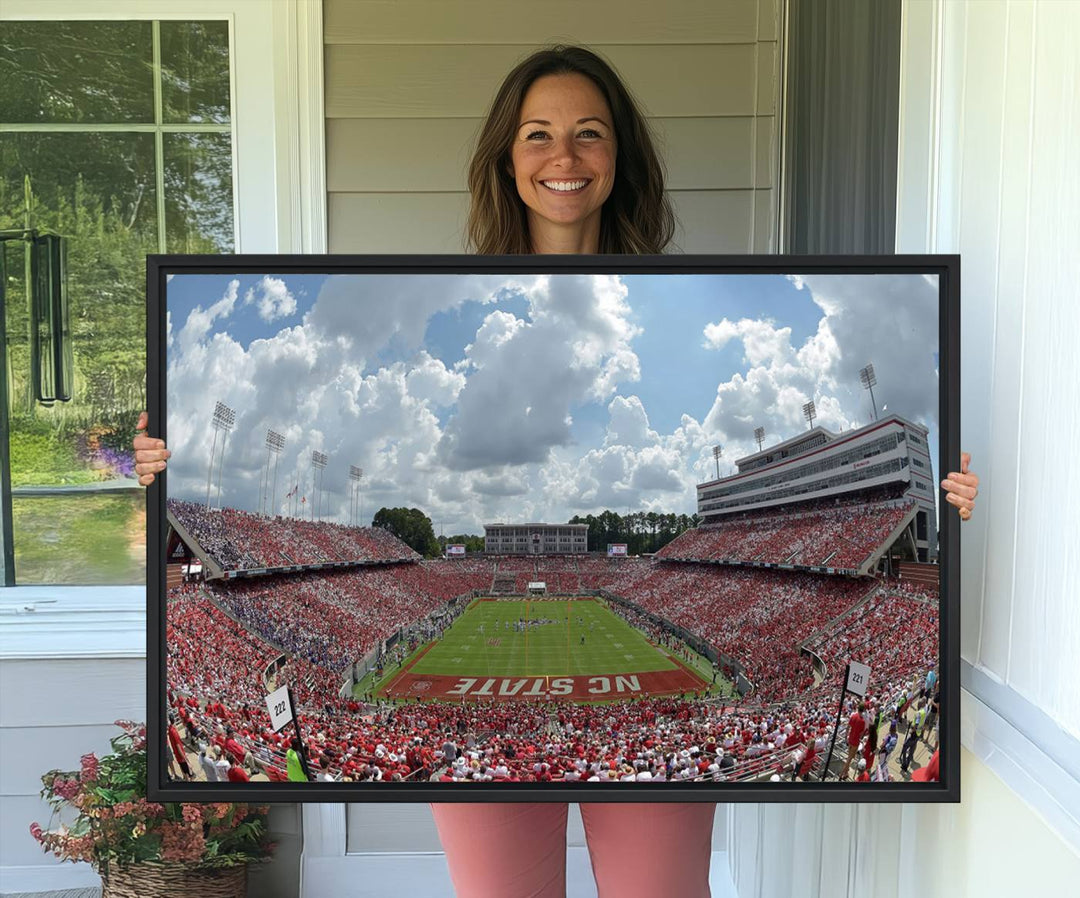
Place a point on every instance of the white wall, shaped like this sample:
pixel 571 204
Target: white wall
pixel 989 143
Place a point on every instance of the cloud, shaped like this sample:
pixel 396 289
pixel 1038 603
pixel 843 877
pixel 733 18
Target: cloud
pixel 492 436
pixel 636 466
pixel 718 335
pixel 890 313
pixel 628 423
pixel 526 377
pixel 272 299
pixel 429 380
pixel 884 319
pixel 365 312
pixel 502 484
pixel 200 321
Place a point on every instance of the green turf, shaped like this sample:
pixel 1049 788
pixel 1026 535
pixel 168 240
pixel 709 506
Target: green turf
pixel 553 649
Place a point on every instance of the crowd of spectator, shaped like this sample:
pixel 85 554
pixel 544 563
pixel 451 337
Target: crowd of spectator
pixel 209 654
pixel 239 540
pixel 649 739
pixel 890 631
pixel 837 537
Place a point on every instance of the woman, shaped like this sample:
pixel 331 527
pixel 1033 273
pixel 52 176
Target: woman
pixel 565 164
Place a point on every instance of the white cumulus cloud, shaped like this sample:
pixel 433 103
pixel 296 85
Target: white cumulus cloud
pixel 272 299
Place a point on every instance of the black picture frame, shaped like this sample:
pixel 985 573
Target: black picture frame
pixel 945 267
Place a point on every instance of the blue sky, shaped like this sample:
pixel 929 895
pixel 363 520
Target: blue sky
pixel 512 397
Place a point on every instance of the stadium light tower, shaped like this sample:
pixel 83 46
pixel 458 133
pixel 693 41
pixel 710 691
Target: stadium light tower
pixel 759 435
pixel 717 451
pixel 318 464
pixel 808 412
pixel 355 475
pixel 275 442
pixel 223 420
pixel 869 381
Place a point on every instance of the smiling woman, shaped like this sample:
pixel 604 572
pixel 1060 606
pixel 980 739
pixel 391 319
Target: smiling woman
pixel 563 162
pixel 560 118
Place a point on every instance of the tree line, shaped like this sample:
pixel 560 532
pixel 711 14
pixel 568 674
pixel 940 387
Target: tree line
pixel 640 531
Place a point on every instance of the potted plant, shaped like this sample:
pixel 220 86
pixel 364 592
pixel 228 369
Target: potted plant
pixel 142 848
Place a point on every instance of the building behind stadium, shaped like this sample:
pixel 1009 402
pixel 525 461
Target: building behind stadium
pixel 886 460
pixel 536 539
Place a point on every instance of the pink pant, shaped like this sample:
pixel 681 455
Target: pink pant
pixel 519 850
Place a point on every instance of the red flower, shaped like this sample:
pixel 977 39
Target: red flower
pixel 65 788
pixel 36 831
pixel 144 808
pixel 180 842
pixel 89 767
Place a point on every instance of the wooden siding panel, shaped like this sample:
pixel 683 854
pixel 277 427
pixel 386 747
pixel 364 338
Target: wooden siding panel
pixel 108 689
pixel 403 155
pixel 765 152
pixel 766 239
pixel 28 752
pixel 491 22
pixel 768 27
pixel 713 221
pixel 710 221
pixel 397 222
pixel 386 154
pixel 456 81
pixel 706 153
pixel 767 81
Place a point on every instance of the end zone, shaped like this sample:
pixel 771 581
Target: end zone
pixel 574 688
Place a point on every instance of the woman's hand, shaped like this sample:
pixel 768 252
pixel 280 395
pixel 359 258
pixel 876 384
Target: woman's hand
pixel 961 487
pixel 150 454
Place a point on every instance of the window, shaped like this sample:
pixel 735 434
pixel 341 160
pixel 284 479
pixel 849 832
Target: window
pixel 117 135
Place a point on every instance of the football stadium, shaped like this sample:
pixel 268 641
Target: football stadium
pixel 720 658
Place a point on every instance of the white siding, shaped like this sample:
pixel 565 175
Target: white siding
pixel 408 82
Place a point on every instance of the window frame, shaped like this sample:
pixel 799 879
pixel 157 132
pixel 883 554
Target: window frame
pixel 284 150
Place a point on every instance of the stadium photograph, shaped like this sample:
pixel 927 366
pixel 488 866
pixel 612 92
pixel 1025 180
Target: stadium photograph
pixel 517 530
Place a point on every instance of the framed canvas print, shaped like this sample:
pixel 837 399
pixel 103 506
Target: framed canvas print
pixel 588 528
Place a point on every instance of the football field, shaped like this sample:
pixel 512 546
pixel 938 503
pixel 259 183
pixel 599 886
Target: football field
pixel 576 637
pixel 536 648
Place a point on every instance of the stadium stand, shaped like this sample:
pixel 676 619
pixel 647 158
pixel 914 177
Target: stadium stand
pixel 791 630
pixel 239 540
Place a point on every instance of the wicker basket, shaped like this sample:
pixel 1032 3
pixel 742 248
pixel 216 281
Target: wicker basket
pixel 162 880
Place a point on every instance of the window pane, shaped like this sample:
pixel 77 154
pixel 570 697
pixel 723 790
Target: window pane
pixel 81 539
pixel 198 193
pixel 195 71
pixel 76 72
pixel 98 191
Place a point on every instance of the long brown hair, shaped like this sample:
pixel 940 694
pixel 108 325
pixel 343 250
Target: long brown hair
pixel 637 216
